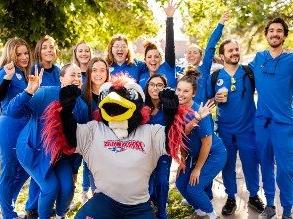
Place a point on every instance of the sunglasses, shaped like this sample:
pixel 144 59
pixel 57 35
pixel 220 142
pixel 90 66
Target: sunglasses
pixel 233 86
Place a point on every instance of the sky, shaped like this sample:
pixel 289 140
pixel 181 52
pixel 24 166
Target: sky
pixel 158 12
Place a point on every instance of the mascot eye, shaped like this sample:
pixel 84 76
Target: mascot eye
pixel 133 94
pixel 103 94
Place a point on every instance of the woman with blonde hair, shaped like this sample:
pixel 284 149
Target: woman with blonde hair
pixel 15 63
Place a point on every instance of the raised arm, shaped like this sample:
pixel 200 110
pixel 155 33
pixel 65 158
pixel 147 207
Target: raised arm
pixel 211 46
pixel 20 105
pixel 170 47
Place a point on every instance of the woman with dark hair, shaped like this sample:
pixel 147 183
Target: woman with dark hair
pixel 206 154
pixel 159 181
pixel 153 55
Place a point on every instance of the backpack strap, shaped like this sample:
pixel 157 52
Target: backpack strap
pixel 250 75
pixel 214 78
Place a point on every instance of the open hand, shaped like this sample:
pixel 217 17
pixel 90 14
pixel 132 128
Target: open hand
pixel 225 16
pixel 194 177
pixel 171 8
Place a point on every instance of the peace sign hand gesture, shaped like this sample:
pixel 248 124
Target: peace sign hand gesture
pixel 34 81
pixel 9 70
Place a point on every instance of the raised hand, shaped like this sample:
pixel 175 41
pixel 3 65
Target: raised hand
pixel 205 110
pixel 225 16
pixel 9 70
pixel 34 81
pixel 171 8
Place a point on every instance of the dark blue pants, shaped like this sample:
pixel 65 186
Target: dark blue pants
pixel 159 185
pixel 196 195
pixel 275 143
pixel 245 144
pixel 101 206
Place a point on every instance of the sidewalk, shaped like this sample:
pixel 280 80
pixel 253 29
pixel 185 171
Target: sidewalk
pixel 219 200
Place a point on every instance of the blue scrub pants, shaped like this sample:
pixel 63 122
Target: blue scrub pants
pixel 275 143
pixel 159 185
pixel 245 144
pixel 12 175
pixel 55 184
pixel 196 195
pixel 101 206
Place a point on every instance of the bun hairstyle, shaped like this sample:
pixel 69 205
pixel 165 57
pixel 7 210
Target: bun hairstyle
pixel 191 75
pixel 148 45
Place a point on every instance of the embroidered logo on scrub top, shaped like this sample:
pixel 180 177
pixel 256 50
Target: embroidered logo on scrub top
pixel 111 69
pixel 19 77
pixel 119 146
pixel 220 82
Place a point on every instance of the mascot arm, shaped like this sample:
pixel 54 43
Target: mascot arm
pixel 174 116
pixel 59 134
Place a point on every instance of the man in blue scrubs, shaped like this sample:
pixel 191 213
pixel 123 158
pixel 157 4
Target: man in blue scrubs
pixel 233 91
pixel 273 71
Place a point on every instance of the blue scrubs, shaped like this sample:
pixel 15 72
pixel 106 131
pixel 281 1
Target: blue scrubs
pixel 235 120
pixel 166 70
pixel 133 70
pixel 12 175
pixel 274 124
pixel 196 195
pixel 55 182
pixel 51 77
pixel 159 180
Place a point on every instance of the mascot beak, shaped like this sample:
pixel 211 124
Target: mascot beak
pixel 115 108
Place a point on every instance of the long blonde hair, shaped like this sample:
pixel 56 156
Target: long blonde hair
pixel 9 53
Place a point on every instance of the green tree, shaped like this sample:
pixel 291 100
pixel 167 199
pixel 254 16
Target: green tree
pixel 70 21
pixel 248 19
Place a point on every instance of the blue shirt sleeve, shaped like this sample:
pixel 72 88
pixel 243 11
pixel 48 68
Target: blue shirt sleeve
pixel 210 51
pixel 18 107
pixel 205 127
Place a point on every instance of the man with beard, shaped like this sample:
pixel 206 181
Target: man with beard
pixel 273 71
pixel 233 91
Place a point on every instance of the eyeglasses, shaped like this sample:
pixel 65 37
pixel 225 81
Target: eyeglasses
pixel 233 86
pixel 120 47
pixel 160 86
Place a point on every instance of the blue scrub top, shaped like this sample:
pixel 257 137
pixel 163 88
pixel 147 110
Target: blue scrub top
pixel 204 129
pixel 237 114
pixel 133 70
pixel 166 70
pixel 17 85
pixel 51 76
pixel 274 85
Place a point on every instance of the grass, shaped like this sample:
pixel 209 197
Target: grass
pixel 175 209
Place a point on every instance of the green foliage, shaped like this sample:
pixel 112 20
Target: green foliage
pixel 175 209
pixel 70 21
pixel 248 19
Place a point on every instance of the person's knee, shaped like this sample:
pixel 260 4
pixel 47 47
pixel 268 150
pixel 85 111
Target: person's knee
pixel 50 188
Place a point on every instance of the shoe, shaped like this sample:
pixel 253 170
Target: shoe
pixel 230 207
pixel 31 214
pixel 269 212
pixel 256 204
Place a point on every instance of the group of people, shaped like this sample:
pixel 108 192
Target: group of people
pixel 262 134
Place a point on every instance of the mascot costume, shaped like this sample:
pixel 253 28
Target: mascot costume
pixel 120 149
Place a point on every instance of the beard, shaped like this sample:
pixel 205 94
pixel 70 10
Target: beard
pixel 230 60
pixel 276 45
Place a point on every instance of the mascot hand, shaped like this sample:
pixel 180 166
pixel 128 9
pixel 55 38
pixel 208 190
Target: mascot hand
pixel 67 97
pixel 169 100
pixel 170 104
